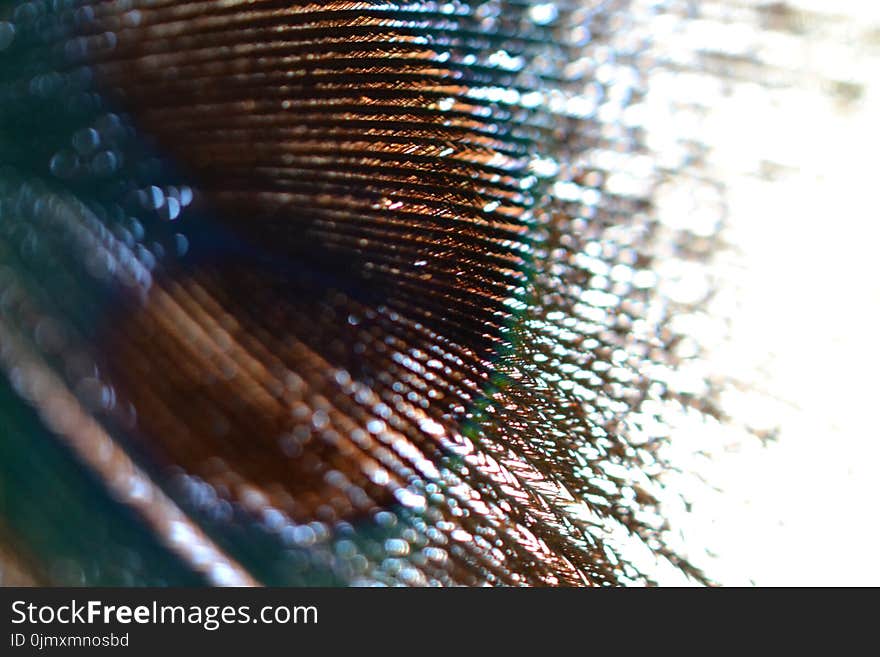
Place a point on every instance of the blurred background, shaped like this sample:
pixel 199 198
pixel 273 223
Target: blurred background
pixel 793 138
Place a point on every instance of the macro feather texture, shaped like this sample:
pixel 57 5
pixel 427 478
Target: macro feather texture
pixel 392 348
pixel 339 293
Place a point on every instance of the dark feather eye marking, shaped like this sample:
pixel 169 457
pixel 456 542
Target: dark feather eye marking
pixel 393 348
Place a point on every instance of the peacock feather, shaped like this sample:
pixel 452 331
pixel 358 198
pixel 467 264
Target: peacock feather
pixel 341 293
